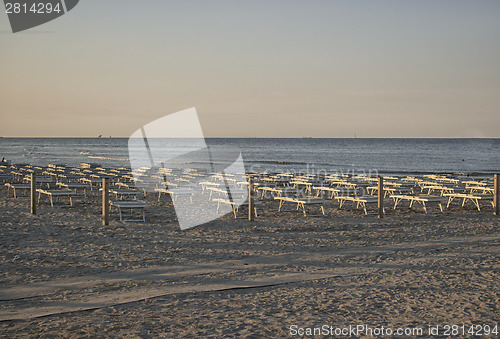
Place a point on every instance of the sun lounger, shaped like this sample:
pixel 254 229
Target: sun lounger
pixel 19 186
pixel 130 205
pixel 474 198
pixel 56 193
pixel 281 181
pixel 441 188
pixel 470 183
pixel 389 190
pixel 277 191
pixel 93 182
pixel 302 185
pixel 205 184
pixel 301 203
pixel 481 190
pixel 41 181
pixel 332 191
pixel 235 209
pixel 422 200
pixel 5 177
pixel 360 202
pixel 75 186
pixel 125 194
pixel 224 192
pixel 176 193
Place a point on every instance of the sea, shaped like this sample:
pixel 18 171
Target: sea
pixel 380 156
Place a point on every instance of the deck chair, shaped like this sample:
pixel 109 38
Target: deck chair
pixel 474 198
pixel 419 199
pixel 360 202
pixel 131 206
pixel 236 208
pixel 302 203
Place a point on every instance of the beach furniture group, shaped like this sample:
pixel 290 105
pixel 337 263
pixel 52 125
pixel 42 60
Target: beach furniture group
pixel 307 194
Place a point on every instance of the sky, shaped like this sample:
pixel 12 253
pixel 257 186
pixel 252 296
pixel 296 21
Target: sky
pixel 281 68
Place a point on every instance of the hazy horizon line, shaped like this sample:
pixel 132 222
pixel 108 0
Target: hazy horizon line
pixel 212 137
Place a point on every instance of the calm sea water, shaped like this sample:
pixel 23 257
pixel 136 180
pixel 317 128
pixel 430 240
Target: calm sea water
pixel 385 156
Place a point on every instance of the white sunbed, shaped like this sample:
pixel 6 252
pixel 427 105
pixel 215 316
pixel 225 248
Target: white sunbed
pixel 474 198
pixel 56 193
pixel 176 194
pixel 301 203
pixel 205 184
pixel 277 191
pixel 441 188
pixel 5 177
pixel 224 192
pixel 130 205
pixel 360 202
pixel 470 183
pixel 302 185
pixel 93 182
pixel 234 208
pixel 41 180
pixel 481 190
pixel 422 200
pixel 121 193
pixel 75 186
pixel 389 190
pixel 15 187
pixel 332 191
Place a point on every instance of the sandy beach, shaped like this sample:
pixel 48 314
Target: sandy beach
pixel 250 169
pixel 63 274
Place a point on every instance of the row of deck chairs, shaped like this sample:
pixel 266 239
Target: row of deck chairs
pixel 307 193
pixel 62 186
pixel 362 190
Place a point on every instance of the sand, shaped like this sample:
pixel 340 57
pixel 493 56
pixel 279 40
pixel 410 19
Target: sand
pixel 63 274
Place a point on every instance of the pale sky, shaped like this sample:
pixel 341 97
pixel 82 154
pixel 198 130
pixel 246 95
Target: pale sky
pixel 280 68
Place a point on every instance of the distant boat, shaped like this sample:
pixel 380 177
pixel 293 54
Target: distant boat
pixel 306 137
pixel 99 136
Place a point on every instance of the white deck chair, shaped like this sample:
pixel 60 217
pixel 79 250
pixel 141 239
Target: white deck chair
pixel 130 205
pixel 474 198
pixel 302 203
pixel 419 199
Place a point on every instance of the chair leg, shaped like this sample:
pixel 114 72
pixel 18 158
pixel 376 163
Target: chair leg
pixel 476 201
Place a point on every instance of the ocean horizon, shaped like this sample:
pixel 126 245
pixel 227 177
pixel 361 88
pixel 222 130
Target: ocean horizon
pixel 405 156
